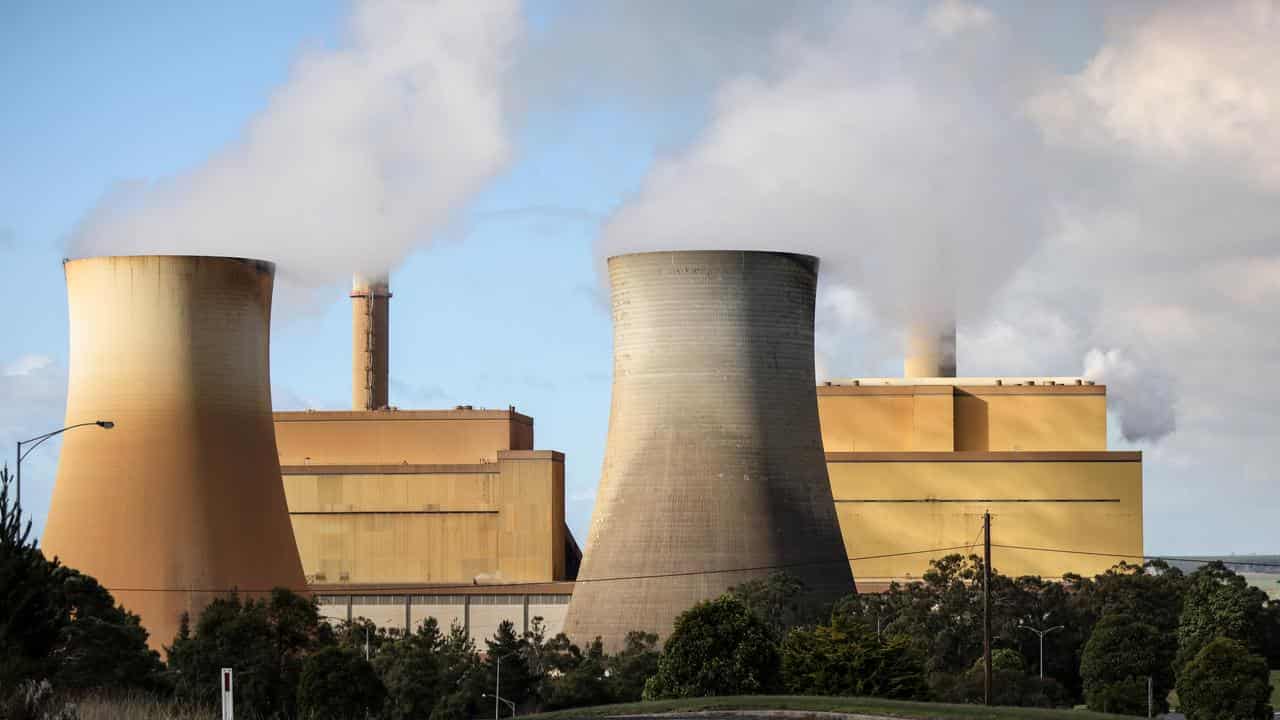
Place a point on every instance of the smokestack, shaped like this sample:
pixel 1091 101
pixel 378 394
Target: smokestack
pixel 714 460
pixel 370 308
pixel 182 500
pixel 930 351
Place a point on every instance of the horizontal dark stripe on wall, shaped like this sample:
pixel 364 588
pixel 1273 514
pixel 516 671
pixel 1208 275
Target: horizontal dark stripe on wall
pixel 985 500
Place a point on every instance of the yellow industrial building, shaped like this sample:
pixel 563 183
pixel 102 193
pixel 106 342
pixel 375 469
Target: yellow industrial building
pixel 916 461
pixel 400 515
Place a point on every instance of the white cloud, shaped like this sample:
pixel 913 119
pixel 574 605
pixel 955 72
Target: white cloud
pixel 364 153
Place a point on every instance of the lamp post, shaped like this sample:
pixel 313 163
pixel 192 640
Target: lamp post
pixel 497 686
pixel 36 441
pixel 505 701
pixel 1041 633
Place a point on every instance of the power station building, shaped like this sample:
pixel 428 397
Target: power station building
pixel 915 462
pixel 400 515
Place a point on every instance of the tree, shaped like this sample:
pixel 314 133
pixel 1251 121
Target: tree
pixel 464 677
pixel 1220 603
pixel 511 651
pixel 337 683
pixel 781 601
pixel 1224 681
pixel 849 659
pixel 102 645
pixel 413 673
pixel 583 681
pixel 631 668
pixel 30 618
pixel 1010 683
pixel 717 647
pixel 266 641
pixel 1122 652
pixel 61 625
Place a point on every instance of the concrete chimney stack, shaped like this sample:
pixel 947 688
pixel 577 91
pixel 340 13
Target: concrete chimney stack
pixel 181 501
pixel 370 308
pixel 714 462
pixel 930 351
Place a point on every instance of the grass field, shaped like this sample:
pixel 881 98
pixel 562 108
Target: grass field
pixel 866 706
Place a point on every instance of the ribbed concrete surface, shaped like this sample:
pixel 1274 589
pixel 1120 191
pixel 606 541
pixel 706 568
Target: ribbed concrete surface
pixel 183 497
pixel 714 459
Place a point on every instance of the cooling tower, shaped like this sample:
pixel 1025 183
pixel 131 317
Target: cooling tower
pixel 714 471
pixel 370 333
pixel 930 351
pixel 182 500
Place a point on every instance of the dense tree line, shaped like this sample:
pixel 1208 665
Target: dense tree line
pixel 1206 633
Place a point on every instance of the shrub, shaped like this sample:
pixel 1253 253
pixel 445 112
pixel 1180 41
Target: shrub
pixel 717 647
pixel 1121 653
pixel 1224 681
pixel 851 660
pixel 337 683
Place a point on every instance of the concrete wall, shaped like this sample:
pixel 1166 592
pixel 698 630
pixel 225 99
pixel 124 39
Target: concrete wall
pixel 182 500
pixel 714 458
pixel 423 524
pixel 900 502
pixel 393 437
pixel 477 613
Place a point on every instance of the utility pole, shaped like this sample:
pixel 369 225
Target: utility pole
pixel 986 607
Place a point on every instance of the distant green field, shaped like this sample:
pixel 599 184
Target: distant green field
pixel 867 706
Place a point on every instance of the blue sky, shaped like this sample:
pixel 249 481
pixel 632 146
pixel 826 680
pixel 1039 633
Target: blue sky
pixel 617 116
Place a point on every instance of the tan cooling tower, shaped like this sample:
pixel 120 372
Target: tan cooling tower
pixel 930 351
pixel 714 470
pixel 182 500
pixel 370 331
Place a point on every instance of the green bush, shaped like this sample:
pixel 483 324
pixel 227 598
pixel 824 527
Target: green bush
pixel 717 647
pixel 848 659
pixel 1224 681
pixel 1010 683
pixel 631 668
pixel 413 673
pixel 1220 603
pixel 264 641
pixel 1121 653
pixel 60 625
pixel 337 683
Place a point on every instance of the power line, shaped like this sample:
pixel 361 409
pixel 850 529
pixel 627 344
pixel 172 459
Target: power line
pixel 654 576
pixel 756 568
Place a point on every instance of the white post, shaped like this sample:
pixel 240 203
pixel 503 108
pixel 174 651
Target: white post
pixel 228 701
pixel 497 690
pixel 1151 696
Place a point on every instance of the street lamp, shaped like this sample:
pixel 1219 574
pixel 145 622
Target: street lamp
pixel 36 441
pixel 1041 633
pixel 507 702
pixel 497 686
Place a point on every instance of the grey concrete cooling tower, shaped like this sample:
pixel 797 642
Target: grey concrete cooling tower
pixel 714 470
pixel 182 500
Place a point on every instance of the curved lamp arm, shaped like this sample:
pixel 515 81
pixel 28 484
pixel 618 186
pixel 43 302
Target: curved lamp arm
pixel 39 439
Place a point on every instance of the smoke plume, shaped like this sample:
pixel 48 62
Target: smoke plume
pixel 890 145
pixel 363 153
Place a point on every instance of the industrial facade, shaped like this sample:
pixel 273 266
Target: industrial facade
pixel 713 472
pixel 915 462
pixel 400 515
pixel 182 499
pixel 718 434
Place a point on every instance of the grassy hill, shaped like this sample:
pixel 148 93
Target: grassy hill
pixel 866 706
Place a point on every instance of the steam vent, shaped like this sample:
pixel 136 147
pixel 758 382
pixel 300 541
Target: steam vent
pixel 182 500
pixel 714 461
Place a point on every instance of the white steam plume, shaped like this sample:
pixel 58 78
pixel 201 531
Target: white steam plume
pixel 363 153
pixel 891 145
pixel 1140 395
